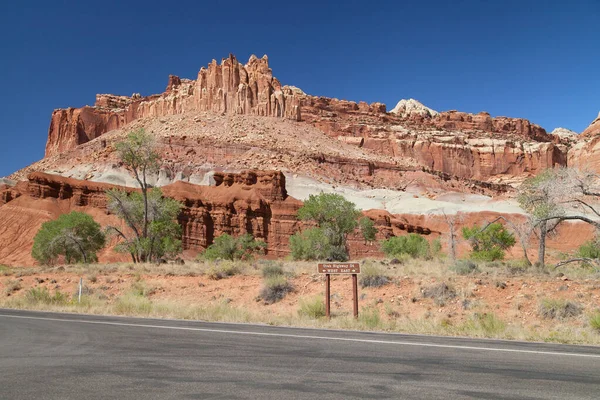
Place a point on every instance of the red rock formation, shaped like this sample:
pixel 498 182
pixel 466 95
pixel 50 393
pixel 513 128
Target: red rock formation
pixel 226 88
pixel 233 88
pixel 593 129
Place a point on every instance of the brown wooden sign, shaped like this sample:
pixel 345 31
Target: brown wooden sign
pixel 339 268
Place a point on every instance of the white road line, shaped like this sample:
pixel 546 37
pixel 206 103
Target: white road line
pixel 399 343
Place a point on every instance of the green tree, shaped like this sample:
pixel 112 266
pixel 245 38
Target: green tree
pixel 162 232
pixel 336 216
pixel 490 242
pixel 152 231
pixel 227 247
pixel 367 228
pixel 412 244
pixel 76 236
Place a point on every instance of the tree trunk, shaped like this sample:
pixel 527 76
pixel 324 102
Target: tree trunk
pixel 542 247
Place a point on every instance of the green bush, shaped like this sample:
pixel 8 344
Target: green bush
pixel 226 247
pixel 595 321
pixel 559 309
pixel 488 323
pixel 464 267
pixel 489 244
pixel 223 270
pixel 311 244
pixel 370 317
pixel 43 296
pixel 272 270
pixel 372 276
pixel 312 308
pixel 590 249
pixel 76 236
pixel 412 244
pixel 275 288
pixel 132 304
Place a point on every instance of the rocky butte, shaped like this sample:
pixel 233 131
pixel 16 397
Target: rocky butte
pixel 229 139
pixel 470 146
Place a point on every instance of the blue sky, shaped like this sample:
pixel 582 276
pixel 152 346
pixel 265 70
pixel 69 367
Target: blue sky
pixel 530 58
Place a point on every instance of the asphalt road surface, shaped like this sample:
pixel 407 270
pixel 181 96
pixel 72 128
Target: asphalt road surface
pixel 67 356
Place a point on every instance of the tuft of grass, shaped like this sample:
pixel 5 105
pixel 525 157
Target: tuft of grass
pixel 272 270
pixel 5 270
pixel 372 276
pixel 223 270
pixel 132 304
pixel 12 286
pixel 440 293
pixel 559 309
pixel 369 317
pixel 139 288
pixel 43 296
pixel 275 288
pixel 595 321
pixel 312 308
pixel 487 324
pixel 464 267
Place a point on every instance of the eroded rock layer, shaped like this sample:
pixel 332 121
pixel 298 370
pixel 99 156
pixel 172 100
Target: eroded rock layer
pixel 254 202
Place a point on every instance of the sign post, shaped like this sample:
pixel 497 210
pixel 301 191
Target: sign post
pixel 340 269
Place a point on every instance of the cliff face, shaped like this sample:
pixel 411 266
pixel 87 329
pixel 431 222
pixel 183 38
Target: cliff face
pixel 462 145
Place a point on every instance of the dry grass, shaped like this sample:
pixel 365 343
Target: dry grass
pixel 130 289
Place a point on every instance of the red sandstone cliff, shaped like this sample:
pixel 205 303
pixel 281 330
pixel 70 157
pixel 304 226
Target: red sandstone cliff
pixel 448 142
pixel 230 87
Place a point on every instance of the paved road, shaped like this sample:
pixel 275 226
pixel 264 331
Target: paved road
pixel 65 356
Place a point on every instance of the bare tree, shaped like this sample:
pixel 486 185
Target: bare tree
pixel 452 220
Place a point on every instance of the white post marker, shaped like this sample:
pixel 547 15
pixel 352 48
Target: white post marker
pixel 80 285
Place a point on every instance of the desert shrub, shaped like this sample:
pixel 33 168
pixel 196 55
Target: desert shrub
pixel 590 249
pixel 489 243
pixel 43 296
pixel 412 244
pixel 559 309
pixel 5 270
pixel 372 276
pixel 517 267
pixel 310 244
pixel 463 267
pixel 312 308
pixel 272 270
pixel 370 317
pixel 275 288
pixel 12 286
pixel 335 216
pixel 595 321
pixel 75 236
pixel 440 293
pixel 227 247
pixel 223 270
